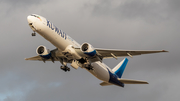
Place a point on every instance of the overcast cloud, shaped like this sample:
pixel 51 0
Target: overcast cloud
pixel 113 24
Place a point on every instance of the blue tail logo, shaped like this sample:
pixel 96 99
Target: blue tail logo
pixel 119 69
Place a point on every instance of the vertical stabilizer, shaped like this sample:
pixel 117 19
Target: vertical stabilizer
pixel 119 69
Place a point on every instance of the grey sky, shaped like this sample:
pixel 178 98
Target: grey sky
pixel 116 24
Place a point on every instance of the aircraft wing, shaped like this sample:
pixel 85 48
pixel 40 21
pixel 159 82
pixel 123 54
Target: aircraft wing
pixel 42 59
pixel 104 53
pixel 34 58
pixel 39 58
pixel 108 53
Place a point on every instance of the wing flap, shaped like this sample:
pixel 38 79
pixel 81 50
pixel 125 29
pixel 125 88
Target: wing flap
pixel 127 81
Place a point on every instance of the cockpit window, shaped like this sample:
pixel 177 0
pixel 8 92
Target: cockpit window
pixel 36 16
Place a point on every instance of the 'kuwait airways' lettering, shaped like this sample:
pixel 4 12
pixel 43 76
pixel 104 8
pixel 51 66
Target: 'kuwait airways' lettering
pixel 59 32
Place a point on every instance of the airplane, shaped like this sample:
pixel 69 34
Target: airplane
pixel 84 56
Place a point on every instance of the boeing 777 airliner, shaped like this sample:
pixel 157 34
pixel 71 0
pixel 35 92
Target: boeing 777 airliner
pixel 84 56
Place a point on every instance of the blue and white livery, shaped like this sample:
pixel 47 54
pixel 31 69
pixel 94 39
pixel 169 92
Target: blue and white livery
pixel 84 56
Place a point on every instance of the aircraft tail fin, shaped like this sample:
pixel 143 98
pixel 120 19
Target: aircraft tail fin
pixel 119 69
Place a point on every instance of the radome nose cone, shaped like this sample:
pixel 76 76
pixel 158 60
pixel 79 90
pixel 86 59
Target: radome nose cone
pixel 29 19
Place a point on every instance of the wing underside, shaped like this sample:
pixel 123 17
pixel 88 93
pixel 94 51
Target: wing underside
pixel 55 56
pixel 38 58
pixel 107 53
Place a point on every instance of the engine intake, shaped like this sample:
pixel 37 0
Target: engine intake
pixel 43 52
pixel 88 49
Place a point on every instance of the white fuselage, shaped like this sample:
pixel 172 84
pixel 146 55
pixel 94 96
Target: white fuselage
pixel 61 40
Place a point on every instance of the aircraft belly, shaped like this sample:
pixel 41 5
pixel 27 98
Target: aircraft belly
pixel 100 71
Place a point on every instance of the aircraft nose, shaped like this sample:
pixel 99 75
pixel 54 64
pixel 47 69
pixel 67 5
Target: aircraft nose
pixel 30 19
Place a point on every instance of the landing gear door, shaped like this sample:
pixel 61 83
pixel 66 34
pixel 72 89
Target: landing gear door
pixel 74 64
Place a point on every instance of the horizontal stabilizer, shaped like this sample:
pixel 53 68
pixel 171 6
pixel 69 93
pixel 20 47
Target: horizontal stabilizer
pixel 105 84
pixel 127 81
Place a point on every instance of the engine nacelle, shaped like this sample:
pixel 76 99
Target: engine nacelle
pixel 43 52
pixel 88 49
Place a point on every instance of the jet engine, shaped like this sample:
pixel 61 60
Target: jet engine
pixel 88 49
pixel 43 52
